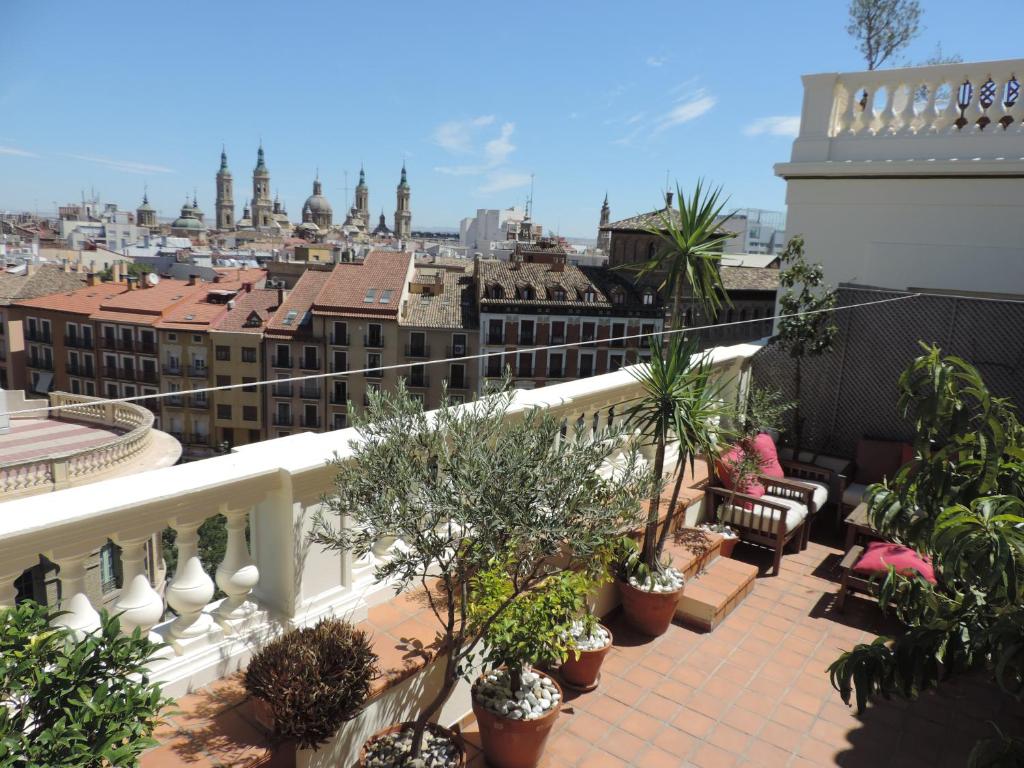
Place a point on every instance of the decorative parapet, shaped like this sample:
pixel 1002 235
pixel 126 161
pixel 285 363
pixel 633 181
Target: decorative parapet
pixel 61 470
pixel 949 119
pixel 273 487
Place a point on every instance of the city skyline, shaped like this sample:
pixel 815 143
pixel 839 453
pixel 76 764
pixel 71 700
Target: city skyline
pixel 603 108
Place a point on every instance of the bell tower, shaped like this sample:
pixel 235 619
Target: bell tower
pixel 262 205
pixel 403 216
pixel 363 199
pixel 604 237
pixel 225 207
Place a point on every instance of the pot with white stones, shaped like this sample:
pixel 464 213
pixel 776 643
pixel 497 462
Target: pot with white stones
pixel 392 748
pixel 729 537
pixel 649 604
pixel 581 671
pixel 514 725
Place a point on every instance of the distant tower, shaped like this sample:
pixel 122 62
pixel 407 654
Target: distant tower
pixel 604 238
pixel 225 195
pixel 262 205
pixel 195 208
pixel 403 216
pixel 363 199
pixel 145 215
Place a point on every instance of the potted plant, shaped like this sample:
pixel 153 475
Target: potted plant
pixel 307 682
pixel 729 536
pixel 462 488
pixel 516 704
pixel 590 642
pixel 681 403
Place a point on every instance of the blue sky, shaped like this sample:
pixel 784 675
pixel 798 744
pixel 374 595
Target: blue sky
pixel 587 96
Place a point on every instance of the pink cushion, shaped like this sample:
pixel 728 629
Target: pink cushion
pixel 765 448
pixel 879 555
pixel 726 474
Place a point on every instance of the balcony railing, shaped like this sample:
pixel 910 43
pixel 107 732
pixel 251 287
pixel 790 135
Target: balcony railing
pixel 281 390
pixel 340 339
pixel 339 400
pixel 417 350
pixel 418 382
pixel 172 369
pixel 495 338
pixel 270 487
pixel 373 373
pixel 40 363
pixel 373 342
pixel 310 364
pixel 309 393
pixel 455 350
pixel 198 403
pixel 280 362
pixel 147 376
pixel 460 383
pixel 36 334
pixel 311 423
pixel 198 371
pixel 146 347
pixel 78 342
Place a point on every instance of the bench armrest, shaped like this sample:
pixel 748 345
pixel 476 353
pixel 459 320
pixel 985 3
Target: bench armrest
pixel 806 471
pixel 850 558
pixel 725 494
pixel 803 491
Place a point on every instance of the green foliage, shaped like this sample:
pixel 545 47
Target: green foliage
pixel 762 410
pixel 131 269
pixel 808 328
pixel 465 488
pixel 959 501
pixel 692 240
pixel 534 626
pixel 314 678
pixel 883 28
pixel 680 402
pixel 64 701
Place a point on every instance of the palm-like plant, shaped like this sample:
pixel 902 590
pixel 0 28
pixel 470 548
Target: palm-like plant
pixel 680 402
pixel 690 250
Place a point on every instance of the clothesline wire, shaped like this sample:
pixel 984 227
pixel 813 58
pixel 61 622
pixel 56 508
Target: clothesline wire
pixel 446 360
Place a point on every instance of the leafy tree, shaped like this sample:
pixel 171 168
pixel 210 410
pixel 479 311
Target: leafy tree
pixel 65 701
pixel 131 269
pixel 808 327
pixel 960 502
pixel 883 28
pixel 692 239
pixel 469 489
pixel 681 402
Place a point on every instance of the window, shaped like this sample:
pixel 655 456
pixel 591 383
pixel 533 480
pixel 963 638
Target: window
pixel 222 352
pixel 374 335
pixel 525 368
pixel 172 337
pixel 558 331
pixel 197 338
pixel 254 435
pixel 458 344
pixel 618 331
pixel 417 344
pixel 76 387
pixel 110 570
pixel 283 356
pixel 339 421
pixel 310 416
pixel 111 390
pixel 340 361
pixel 495 331
pixel 223 411
pixel 340 333
pixel 282 389
pixel 526 332
pixel 588 331
pixel 557 293
pixel 589 295
pixel 371 295
pixel 648 297
pixel 586 364
pixel 457 376
pixel 495 291
pixel 129 390
pixel 339 393
pixel 248 354
pixel 614 361
pixel 555 369
pixel 249 380
pixel 90 388
pixel 527 293
pixel 373 364
pixel 618 296
pixel 494 366
pixel 385 296
pixel 310 358
pixel 223 381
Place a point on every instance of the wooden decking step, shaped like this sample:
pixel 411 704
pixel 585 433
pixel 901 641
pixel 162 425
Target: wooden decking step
pixel 714 585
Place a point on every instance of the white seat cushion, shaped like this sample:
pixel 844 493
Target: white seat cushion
pixel 854 494
pixel 820 493
pixel 752 518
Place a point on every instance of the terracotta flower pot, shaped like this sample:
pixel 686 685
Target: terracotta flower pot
pixel 583 673
pixel 648 612
pixel 728 545
pixel 437 730
pixel 282 753
pixel 509 743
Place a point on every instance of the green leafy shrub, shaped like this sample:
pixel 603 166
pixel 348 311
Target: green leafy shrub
pixel 65 701
pixel 314 679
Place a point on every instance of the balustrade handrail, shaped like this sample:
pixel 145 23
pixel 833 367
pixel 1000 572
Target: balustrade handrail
pixel 270 485
pixel 18 477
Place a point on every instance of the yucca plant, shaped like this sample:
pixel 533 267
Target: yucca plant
pixel 681 401
pixel 690 249
pixel 960 501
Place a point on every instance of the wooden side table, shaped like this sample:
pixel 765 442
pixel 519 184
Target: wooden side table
pixel 857 524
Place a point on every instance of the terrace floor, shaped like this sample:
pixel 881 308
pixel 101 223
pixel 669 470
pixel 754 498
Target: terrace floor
pixel 754 692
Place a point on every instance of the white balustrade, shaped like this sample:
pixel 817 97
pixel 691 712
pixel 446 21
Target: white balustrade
pixel 139 604
pixel 79 614
pixel 237 574
pixel 272 486
pixel 191 588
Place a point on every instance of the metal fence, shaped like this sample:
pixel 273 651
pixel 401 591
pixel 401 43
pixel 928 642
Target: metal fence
pixel 852 392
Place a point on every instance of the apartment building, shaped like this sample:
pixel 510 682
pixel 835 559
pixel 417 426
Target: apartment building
pixel 26 281
pixel 125 339
pixel 236 338
pixel 539 299
pixel 439 320
pixel 332 322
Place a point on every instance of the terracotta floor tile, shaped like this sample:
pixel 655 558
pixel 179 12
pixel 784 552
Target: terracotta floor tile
pixel 693 722
pixel 793 718
pixel 728 738
pixel 625 691
pixel 653 757
pixel 608 709
pixel 597 758
pixel 569 747
pixel 744 720
pixel 658 706
pixel 674 691
pixel 710 756
pixel 623 744
pixel 675 742
pixel 641 725
pixel 768 755
pixel 781 736
pixel 707 704
pixel 586 726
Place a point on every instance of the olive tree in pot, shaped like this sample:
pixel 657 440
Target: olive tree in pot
pixel 306 683
pixel 682 403
pixel 462 488
pixel 516 704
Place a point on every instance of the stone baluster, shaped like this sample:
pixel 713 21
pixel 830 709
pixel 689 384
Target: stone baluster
pixel 190 590
pixel 887 123
pixel 841 105
pixel 237 574
pixel 930 112
pixel 951 113
pixel 79 615
pixel 139 604
pixel 907 117
pixel 866 116
pixel 853 110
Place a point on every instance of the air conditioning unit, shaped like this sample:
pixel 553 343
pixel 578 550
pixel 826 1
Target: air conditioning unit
pixel 459 349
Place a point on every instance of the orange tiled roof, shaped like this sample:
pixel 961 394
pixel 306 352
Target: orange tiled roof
pixel 350 283
pixel 262 301
pixel 299 301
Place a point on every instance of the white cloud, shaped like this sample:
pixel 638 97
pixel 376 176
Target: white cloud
pixel 635 118
pixel 689 108
pixel 499 181
pixel 498 150
pixel 128 166
pixel 494 153
pixel 4 150
pixel 456 136
pixel 656 61
pixel 778 125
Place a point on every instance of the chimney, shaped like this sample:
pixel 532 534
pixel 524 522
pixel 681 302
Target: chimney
pixel 92 278
pixel 668 200
pixel 116 270
pixel 280 296
pixel 192 279
pixel 131 282
pixel 247 287
pixel 218 277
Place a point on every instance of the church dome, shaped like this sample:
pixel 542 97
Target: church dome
pixel 186 222
pixel 316 202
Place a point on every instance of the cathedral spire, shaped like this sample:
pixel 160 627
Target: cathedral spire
pixel 223 158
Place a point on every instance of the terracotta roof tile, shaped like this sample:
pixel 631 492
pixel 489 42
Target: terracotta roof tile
pixel 454 307
pixel 350 284
pixel 750 278
pixel 545 282
pixel 299 300
pixel 262 301
pixel 47 279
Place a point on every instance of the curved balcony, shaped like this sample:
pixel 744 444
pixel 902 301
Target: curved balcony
pixel 80 443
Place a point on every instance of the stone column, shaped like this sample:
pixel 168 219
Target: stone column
pixel 236 575
pixel 139 604
pixel 190 591
pixel 80 616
